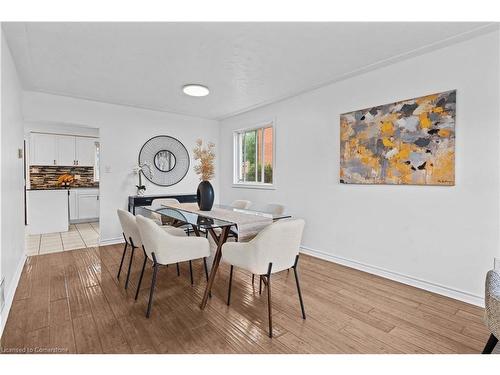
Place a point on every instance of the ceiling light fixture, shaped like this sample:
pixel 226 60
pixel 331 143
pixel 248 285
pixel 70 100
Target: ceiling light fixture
pixel 195 90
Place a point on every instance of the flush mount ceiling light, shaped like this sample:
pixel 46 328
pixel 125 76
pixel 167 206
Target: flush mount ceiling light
pixel 195 90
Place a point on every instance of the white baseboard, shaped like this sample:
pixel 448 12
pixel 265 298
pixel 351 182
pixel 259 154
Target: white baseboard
pixel 404 279
pixel 111 241
pixel 9 294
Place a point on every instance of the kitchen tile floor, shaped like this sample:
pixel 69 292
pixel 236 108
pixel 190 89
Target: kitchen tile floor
pixel 79 236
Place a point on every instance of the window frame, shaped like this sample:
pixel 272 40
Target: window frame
pixel 237 157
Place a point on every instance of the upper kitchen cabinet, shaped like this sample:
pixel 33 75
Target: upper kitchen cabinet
pixel 85 151
pixel 43 149
pixel 64 150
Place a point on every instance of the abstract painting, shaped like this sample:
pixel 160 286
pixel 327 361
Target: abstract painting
pixel 411 142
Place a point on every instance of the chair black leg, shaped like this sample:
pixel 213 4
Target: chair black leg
pixel 206 268
pixel 230 284
pixel 123 258
pixel 206 274
pixel 191 271
pixel 142 274
pixel 153 282
pixel 269 306
pixel 260 284
pixel 130 263
pixel 298 287
pixel 253 278
pixel 178 271
pixel 490 345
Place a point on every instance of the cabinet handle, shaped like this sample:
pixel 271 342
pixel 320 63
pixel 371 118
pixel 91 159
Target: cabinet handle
pixel 77 162
pixel 54 161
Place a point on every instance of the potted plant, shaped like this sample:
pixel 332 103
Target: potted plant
pixel 205 170
pixel 141 189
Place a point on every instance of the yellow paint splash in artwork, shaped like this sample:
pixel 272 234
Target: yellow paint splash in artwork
pixel 426 99
pixel 425 122
pixel 387 128
pixel 404 152
pixel 442 171
pixel 444 133
pixel 387 142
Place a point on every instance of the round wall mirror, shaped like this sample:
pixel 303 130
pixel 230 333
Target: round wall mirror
pixel 168 158
pixel 164 160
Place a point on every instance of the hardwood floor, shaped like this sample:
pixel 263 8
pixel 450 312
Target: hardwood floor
pixel 71 302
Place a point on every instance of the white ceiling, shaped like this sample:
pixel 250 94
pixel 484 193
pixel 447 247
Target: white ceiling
pixel 245 65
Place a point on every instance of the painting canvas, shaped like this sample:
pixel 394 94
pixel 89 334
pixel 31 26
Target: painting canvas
pixel 411 142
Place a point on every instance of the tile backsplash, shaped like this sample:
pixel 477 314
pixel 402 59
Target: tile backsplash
pixel 45 177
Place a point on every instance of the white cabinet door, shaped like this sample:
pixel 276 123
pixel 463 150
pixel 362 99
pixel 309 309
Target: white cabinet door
pixel 65 150
pixel 88 206
pixel 73 204
pixel 85 151
pixel 43 149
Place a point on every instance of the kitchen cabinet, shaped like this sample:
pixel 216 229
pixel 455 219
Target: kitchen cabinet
pixel 73 204
pixel 83 204
pixel 63 150
pixel 85 151
pixel 43 149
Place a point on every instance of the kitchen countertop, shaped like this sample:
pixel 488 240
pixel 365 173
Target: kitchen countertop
pixel 64 188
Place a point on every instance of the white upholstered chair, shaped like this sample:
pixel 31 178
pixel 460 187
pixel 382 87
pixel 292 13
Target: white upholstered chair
pixel 241 204
pixel 274 249
pixel 158 218
pixel 492 309
pixel 163 201
pixel 275 209
pixel 163 248
pixel 133 238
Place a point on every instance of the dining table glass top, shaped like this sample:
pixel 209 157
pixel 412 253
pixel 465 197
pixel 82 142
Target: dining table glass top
pixel 177 212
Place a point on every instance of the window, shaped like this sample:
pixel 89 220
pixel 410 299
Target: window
pixel 254 156
pixel 96 161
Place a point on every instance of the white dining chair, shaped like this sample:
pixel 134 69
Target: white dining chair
pixel 166 202
pixel 241 204
pixel 275 209
pixel 492 309
pixel 163 248
pixel 173 202
pixel 274 249
pixel 133 238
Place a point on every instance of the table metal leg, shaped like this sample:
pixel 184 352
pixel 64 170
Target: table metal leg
pixel 219 240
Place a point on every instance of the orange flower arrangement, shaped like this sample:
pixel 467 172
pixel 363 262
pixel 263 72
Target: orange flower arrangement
pixel 65 179
pixel 206 157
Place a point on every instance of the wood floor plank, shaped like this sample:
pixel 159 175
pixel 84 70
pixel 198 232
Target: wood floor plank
pixel 72 302
pixel 86 335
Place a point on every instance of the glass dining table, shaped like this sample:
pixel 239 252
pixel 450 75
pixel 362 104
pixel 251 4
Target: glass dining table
pixel 215 223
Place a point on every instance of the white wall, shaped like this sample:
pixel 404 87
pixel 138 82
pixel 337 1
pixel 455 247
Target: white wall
pixel 55 128
pixel 122 131
pixel 12 183
pixel 440 238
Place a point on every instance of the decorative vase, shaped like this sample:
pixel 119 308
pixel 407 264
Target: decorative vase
pixel 205 196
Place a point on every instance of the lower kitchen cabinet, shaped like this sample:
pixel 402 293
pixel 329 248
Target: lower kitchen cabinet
pixel 83 204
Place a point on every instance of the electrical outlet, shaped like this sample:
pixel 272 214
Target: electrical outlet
pixel 19 153
pixel 2 294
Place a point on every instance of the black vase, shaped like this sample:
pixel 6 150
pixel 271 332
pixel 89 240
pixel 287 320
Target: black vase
pixel 205 196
